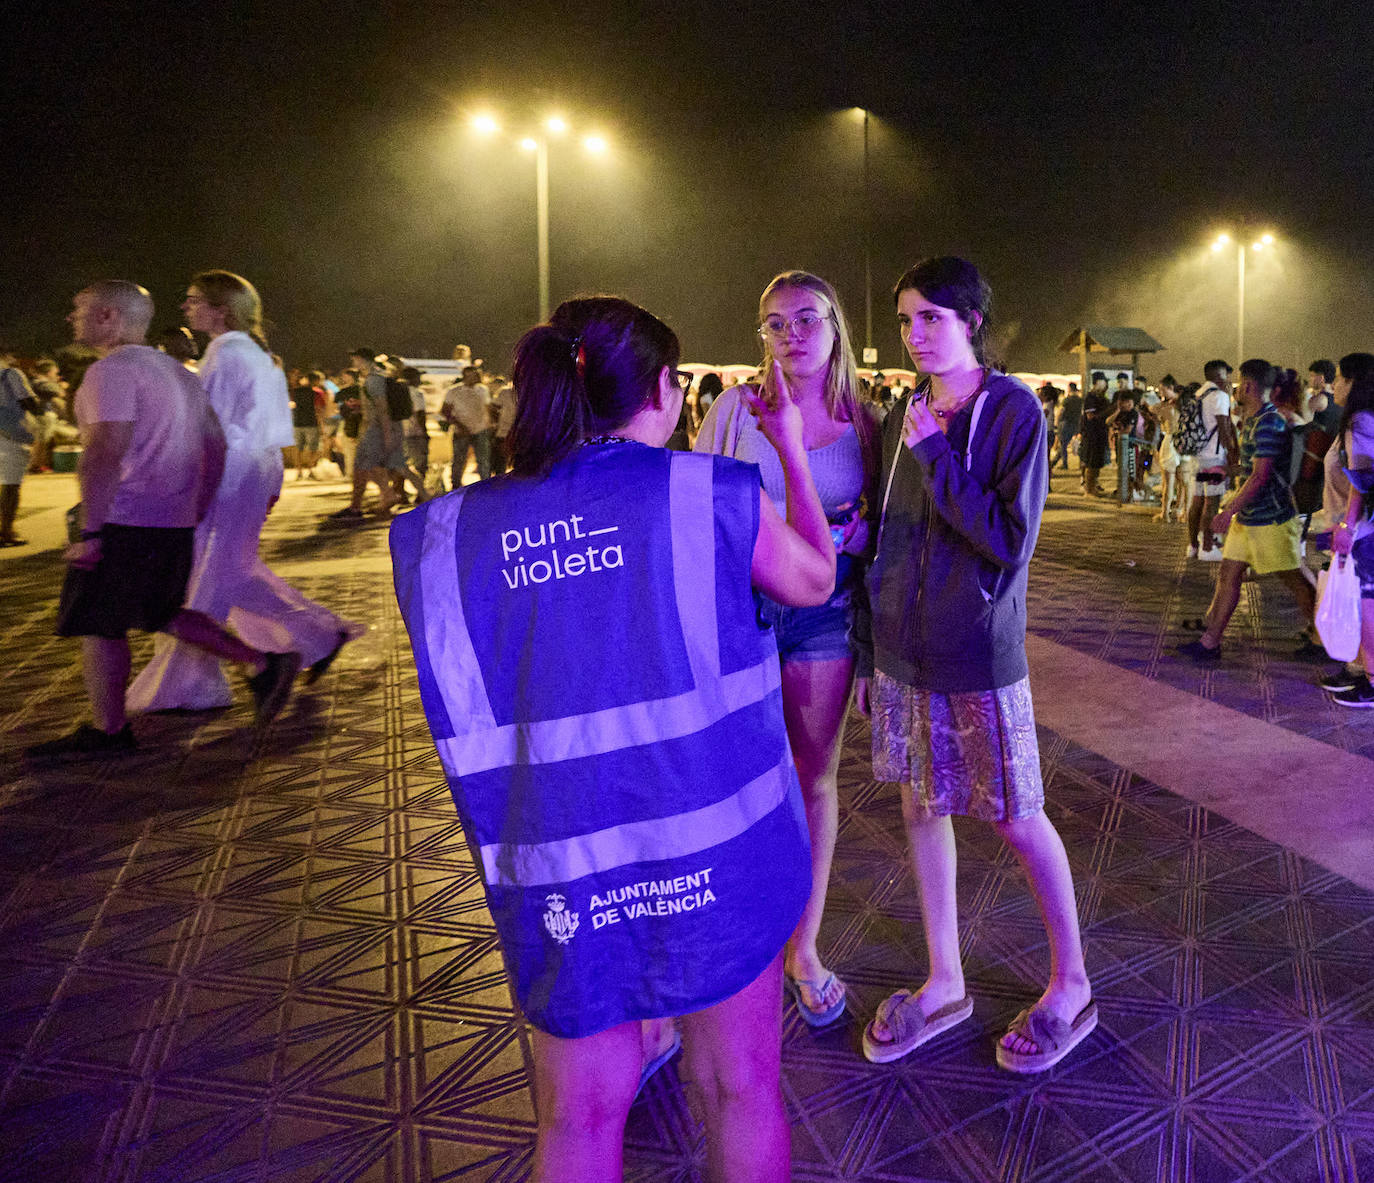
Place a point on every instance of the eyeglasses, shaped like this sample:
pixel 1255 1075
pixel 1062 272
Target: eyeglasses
pixel 777 327
pixel 684 379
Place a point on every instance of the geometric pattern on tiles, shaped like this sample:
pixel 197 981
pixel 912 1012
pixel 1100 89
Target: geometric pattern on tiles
pixel 227 962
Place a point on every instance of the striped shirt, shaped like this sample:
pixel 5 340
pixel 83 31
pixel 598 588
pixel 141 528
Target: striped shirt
pixel 1265 436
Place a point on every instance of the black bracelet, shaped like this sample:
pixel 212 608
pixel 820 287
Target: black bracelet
pixel 88 535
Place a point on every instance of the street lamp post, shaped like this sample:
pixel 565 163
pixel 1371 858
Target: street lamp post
pixel 541 215
pixel 539 145
pixel 863 114
pixel 1223 240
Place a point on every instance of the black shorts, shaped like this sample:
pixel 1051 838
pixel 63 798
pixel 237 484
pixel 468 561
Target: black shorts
pixel 139 583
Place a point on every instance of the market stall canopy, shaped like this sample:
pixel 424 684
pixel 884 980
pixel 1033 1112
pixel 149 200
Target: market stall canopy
pixel 1110 339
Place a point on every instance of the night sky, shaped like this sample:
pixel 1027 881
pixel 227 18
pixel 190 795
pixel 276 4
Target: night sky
pixel 323 150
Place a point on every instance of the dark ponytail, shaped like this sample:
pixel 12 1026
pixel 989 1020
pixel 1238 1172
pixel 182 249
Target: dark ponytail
pixel 590 369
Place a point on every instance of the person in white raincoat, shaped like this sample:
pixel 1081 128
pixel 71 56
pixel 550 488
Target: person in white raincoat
pixel 230 582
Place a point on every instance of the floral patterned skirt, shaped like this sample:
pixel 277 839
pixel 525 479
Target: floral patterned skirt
pixel 973 754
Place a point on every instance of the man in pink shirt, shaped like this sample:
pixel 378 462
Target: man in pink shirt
pixel 153 453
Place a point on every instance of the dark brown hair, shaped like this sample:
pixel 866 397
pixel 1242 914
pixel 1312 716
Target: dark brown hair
pixel 590 368
pixel 956 284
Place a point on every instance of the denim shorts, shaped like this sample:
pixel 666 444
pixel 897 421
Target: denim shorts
pixel 1363 554
pixel 813 634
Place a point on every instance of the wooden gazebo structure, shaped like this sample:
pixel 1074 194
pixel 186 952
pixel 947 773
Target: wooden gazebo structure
pixel 1111 341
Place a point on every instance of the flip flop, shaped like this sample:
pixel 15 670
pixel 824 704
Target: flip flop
pixel 658 1061
pixel 909 1027
pixel 815 1018
pixel 1054 1037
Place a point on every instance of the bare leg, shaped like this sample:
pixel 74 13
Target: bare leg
pixel 1362 658
pixel 105 670
pixel 9 506
pixel 195 628
pixel 932 856
pixel 815 695
pixel 1303 592
pixel 1208 512
pixel 733 1062
pixel 583 1090
pixel 1040 851
pixel 1225 597
pixel 655 1037
pixel 1166 495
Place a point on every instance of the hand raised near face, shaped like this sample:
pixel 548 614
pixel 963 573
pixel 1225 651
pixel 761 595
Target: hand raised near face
pixel 918 424
pixel 778 417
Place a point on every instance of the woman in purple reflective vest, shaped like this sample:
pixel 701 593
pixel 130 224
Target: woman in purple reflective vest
pixel 608 712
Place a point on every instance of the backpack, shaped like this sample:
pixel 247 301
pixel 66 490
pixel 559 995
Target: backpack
pixel 1297 440
pixel 1189 435
pixel 399 407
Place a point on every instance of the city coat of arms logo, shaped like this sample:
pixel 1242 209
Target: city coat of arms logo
pixel 561 923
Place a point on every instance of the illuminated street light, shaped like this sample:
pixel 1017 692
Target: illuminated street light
pixel 1222 241
pixel 861 115
pixel 556 125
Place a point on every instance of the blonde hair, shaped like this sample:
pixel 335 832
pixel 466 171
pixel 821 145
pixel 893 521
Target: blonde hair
pixel 841 377
pixel 236 298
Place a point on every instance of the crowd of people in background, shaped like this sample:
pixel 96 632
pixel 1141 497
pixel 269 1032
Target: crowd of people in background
pixel 1254 461
pixel 883 563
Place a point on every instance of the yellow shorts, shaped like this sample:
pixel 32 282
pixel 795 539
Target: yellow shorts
pixel 1266 549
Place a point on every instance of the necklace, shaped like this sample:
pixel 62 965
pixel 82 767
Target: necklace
pixel 943 413
pixel 606 438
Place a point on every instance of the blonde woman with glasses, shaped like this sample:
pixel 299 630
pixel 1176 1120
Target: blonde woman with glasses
pixel 806 349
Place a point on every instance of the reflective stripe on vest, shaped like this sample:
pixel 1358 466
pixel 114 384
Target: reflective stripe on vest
pixel 482 745
pixel 608 711
pixel 639 842
pixel 486 745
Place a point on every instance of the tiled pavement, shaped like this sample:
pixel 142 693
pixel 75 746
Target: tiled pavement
pixel 222 962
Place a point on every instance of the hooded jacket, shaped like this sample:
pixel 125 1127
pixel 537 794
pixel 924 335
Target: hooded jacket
pixel 947 589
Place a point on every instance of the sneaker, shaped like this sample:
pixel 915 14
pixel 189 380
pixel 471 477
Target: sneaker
pixel 1339 679
pixel 1199 652
pixel 1192 552
pixel 1210 556
pixel 321 667
pixel 271 687
pixel 85 741
pixel 1359 695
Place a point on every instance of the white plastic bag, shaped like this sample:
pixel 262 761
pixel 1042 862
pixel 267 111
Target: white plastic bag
pixel 1338 608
